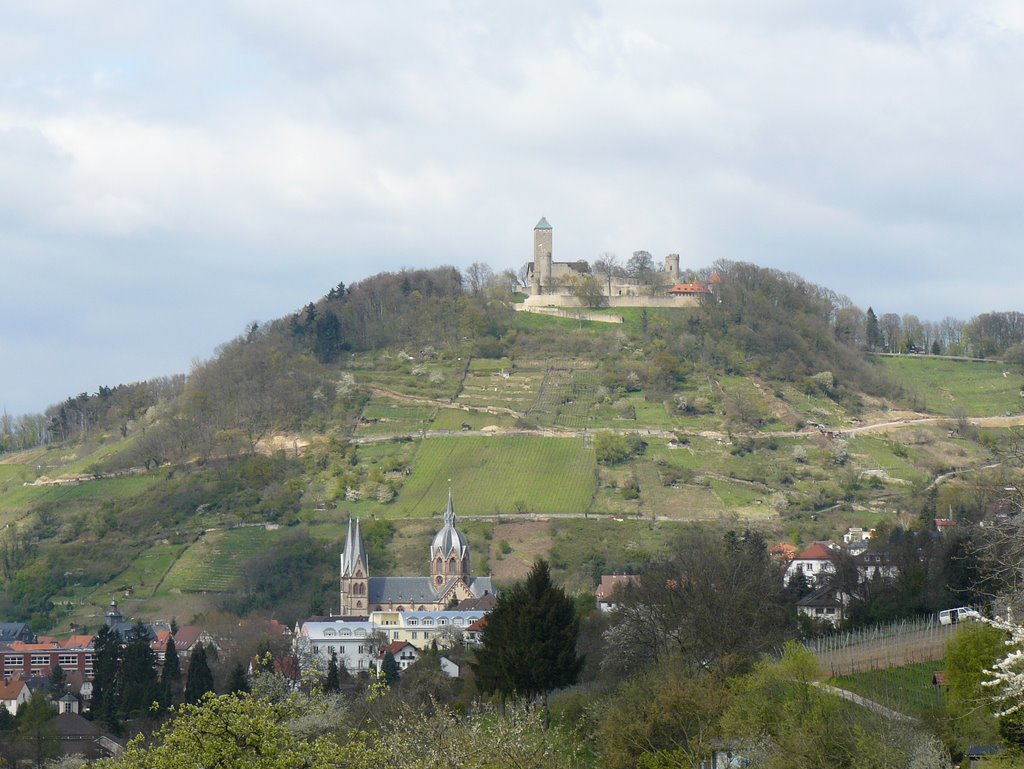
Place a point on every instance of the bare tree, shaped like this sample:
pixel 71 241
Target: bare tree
pixel 478 276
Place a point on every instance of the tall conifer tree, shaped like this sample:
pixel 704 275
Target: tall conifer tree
pixel 200 679
pixel 170 676
pixel 529 644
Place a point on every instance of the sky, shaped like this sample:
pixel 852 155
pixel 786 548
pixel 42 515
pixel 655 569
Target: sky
pixel 171 172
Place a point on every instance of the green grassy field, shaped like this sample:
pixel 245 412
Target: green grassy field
pixel 975 388
pixel 103 488
pixel 907 689
pixel 499 474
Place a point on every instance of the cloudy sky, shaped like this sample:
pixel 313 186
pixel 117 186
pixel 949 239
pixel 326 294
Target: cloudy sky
pixel 170 172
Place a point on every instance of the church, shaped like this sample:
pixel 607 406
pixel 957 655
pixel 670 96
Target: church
pixel 449 582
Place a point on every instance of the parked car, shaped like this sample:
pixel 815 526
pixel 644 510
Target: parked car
pixel 959 614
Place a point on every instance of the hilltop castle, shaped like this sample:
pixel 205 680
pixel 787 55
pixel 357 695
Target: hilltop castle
pixel 449 581
pixel 555 283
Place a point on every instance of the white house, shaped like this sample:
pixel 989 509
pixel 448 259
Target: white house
pixel 13 693
pixel 815 561
pixel 353 641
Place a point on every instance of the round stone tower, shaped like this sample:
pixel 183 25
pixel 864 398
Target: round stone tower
pixel 542 254
pixel 672 268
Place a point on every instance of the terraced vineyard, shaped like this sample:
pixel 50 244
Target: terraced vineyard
pixel 489 383
pixel 566 396
pixel 384 415
pixel 434 378
pixel 214 562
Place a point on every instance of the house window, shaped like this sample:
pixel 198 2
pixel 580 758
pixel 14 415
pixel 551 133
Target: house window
pixel 429 622
pixel 14 661
pixel 68 660
pixel 442 621
pixel 330 650
pixel 40 660
pixel 457 621
pixel 412 622
pixel 414 635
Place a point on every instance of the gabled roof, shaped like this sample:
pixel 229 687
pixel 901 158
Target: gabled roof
pixel 397 646
pixel 542 224
pixel 816 551
pixel 827 595
pixel 610 582
pixel 11 690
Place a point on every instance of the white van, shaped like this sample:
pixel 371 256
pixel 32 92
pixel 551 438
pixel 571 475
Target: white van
pixel 959 614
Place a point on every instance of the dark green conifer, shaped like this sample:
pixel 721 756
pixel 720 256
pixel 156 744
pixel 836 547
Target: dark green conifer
pixel 200 679
pixel 529 644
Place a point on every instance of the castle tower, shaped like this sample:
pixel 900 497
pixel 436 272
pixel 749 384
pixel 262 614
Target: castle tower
pixel 449 552
pixel 355 575
pixel 542 255
pixel 672 268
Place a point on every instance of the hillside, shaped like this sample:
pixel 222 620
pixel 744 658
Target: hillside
pixel 586 442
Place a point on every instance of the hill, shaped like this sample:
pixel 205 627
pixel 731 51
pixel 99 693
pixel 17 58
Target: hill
pixel 229 489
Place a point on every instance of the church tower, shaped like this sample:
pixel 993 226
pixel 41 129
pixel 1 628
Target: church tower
pixel 355 575
pixel 542 252
pixel 449 552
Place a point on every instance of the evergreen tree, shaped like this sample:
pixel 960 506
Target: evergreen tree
pixel 529 644
pixel 872 333
pixel 106 700
pixel 238 682
pixel 389 668
pixel 55 686
pixel 138 672
pixel 170 676
pixel 332 682
pixel 200 679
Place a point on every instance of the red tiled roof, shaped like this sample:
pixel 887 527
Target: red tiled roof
pixel 816 551
pixel 688 288
pixel 478 626
pixel 609 582
pixel 396 646
pixel 784 551
pixel 10 690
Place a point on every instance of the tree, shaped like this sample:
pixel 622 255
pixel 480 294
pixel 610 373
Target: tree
pixel 332 682
pixel 590 292
pixel 106 701
pixel 241 730
pixel 37 729
pixel 640 267
pixel 170 676
pixel 138 672
pixel 389 669
pixel 238 682
pixel 716 596
pixel 872 333
pixel 529 644
pixel 200 679
pixel 608 265
pixel 55 686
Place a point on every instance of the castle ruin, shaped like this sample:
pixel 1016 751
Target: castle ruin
pixel 557 284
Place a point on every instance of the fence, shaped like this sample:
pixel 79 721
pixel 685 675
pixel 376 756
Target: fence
pixel 900 643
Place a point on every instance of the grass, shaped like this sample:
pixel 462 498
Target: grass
pixel 499 474
pixel 948 387
pixel 907 689
pixel 100 489
pixel 213 563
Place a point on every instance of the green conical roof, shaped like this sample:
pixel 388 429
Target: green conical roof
pixel 542 224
